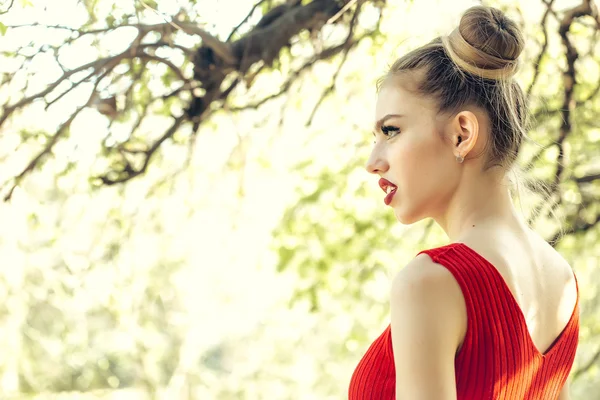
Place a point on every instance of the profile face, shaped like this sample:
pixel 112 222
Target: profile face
pixel 411 153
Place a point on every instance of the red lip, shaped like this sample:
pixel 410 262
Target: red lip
pixel 384 184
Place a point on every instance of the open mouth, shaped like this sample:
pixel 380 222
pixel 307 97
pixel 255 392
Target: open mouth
pixel 389 188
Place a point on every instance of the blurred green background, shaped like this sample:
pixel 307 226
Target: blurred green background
pixel 176 226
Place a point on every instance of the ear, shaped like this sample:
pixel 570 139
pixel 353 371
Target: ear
pixel 465 132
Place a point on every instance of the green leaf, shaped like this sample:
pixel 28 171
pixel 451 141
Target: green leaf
pixel 2 29
pixel 110 21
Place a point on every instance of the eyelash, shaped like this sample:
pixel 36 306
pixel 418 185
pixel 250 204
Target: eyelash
pixel 386 129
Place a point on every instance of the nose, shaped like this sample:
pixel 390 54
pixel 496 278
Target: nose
pixel 377 164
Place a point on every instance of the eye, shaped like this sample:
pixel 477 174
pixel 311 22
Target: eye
pixel 390 131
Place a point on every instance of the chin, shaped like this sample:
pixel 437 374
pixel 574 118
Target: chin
pixel 405 217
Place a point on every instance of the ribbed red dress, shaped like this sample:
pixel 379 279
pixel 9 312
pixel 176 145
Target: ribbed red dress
pixel 498 359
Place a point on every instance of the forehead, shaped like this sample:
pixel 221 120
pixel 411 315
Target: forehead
pixel 398 95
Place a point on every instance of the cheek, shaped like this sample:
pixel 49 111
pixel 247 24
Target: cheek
pixel 424 172
pixel 419 165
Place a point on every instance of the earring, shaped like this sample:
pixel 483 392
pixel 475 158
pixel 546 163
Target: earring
pixel 460 159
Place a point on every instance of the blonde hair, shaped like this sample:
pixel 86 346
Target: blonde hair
pixel 475 65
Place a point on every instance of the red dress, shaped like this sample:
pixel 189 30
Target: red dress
pixel 498 360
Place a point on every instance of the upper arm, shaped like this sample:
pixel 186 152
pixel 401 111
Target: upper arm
pixel 428 321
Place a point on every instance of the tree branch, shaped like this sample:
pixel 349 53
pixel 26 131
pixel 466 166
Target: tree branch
pixel 592 361
pixel 66 28
pixel 186 50
pixel 73 86
pixel 331 87
pixel 188 86
pixel 323 55
pixel 143 55
pixel 214 63
pixel 234 30
pixel 223 50
pixel 128 172
pixel 569 78
pixel 48 148
pixel 588 178
pixel 59 133
pixel 97 65
pixel 266 43
pixel 540 56
pixel 12 2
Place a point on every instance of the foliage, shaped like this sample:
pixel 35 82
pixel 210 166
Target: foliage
pixel 248 258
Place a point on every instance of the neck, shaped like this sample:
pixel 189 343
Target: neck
pixel 482 200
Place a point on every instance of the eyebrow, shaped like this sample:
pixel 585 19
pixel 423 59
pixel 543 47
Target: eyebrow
pixel 385 118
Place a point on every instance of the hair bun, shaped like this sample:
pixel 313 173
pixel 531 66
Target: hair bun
pixel 487 43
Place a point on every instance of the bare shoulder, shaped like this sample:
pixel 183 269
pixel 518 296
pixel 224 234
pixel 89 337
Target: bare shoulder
pixel 567 270
pixel 424 286
pixel 565 283
pixel 423 273
pixel 557 264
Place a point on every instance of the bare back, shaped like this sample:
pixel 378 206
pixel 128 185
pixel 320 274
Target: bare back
pixel 539 278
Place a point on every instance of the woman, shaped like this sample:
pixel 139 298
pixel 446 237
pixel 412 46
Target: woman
pixel 494 314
